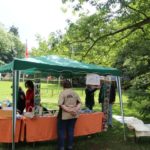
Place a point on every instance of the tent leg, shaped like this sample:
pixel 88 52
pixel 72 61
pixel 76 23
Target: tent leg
pixel 23 77
pixel 121 104
pixel 58 88
pixel 15 97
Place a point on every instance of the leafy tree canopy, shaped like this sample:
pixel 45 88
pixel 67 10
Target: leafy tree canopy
pixel 10 46
pixel 14 30
pixel 113 21
pixel 48 46
pixel 117 34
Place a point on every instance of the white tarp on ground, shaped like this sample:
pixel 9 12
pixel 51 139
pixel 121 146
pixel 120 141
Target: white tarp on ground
pixel 138 125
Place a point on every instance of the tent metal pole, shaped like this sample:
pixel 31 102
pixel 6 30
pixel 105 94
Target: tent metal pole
pixel 23 77
pixel 15 97
pixel 59 79
pixel 121 104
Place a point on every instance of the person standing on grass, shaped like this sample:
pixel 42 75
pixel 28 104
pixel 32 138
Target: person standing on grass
pixel 111 101
pixel 69 105
pixel 29 95
pixel 21 103
pixel 89 96
pixel 110 93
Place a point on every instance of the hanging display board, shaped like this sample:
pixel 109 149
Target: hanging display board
pixel 107 87
pixel 37 96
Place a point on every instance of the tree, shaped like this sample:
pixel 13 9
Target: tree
pixel 134 61
pixel 14 30
pixel 17 48
pixel 114 20
pixel 49 46
pixel 118 34
pixel 10 46
pixel 5 46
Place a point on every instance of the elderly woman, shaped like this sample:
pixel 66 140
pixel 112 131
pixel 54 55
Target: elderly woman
pixel 69 105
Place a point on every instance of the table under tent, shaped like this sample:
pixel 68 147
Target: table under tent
pixel 55 66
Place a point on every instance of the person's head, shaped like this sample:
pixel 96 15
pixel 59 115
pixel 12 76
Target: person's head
pixel 20 88
pixel 29 84
pixel 66 84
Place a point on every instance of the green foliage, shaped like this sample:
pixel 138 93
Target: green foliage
pixel 49 46
pixel 10 46
pixel 117 35
pixel 142 82
pixel 134 58
pixel 134 61
pixel 139 99
pixel 5 46
pixel 18 47
pixel 14 30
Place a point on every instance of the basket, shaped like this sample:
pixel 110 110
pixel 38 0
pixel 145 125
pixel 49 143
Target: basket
pixel 29 114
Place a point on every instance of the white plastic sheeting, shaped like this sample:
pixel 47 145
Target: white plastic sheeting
pixel 136 124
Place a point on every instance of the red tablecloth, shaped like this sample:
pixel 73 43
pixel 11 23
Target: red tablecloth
pixel 6 130
pixel 45 128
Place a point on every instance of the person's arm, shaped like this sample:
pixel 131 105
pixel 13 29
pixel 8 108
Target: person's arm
pixel 92 90
pixel 79 104
pixel 78 107
pixel 73 111
pixel 61 103
pixel 65 108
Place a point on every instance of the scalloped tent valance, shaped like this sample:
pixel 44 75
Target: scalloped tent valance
pixel 56 65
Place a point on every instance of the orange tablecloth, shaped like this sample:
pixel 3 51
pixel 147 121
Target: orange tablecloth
pixel 6 130
pixel 45 128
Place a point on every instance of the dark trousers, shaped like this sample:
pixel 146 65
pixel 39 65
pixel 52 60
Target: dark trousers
pixel 65 129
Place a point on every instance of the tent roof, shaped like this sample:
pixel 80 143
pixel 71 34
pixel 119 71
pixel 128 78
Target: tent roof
pixel 56 65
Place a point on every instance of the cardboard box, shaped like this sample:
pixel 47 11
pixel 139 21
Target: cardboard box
pixel 5 113
pixel 92 79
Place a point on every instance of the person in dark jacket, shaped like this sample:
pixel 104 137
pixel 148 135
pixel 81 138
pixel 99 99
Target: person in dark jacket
pixel 21 101
pixel 89 96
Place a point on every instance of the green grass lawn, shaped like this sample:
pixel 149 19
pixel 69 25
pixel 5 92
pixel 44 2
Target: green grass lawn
pixel 110 140
pixel 49 93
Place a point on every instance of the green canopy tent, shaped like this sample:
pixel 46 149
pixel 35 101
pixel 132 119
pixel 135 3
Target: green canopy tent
pixel 56 66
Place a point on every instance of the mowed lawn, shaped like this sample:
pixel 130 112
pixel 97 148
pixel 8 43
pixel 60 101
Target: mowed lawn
pixel 110 140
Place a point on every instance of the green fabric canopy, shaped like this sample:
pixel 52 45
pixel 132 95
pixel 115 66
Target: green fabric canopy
pixel 56 65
